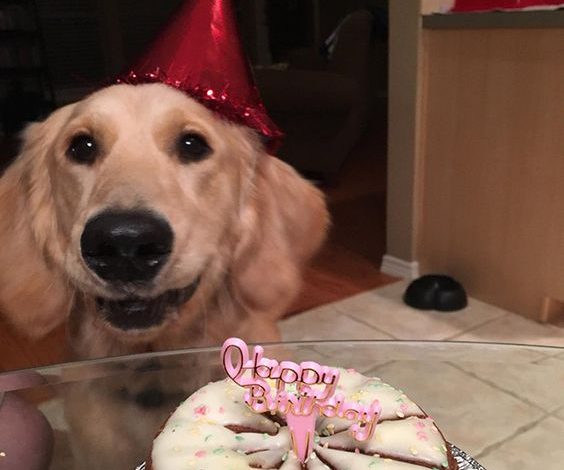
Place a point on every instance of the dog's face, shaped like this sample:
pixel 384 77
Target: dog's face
pixel 143 209
pixel 148 186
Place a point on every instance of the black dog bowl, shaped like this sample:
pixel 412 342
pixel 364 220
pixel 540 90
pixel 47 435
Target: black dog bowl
pixel 436 292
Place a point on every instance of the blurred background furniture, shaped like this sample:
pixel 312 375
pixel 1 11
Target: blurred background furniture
pixel 319 98
pixel 26 91
pixel 25 85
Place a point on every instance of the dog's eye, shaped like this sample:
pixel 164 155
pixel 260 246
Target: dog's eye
pixel 82 149
pixel 192 147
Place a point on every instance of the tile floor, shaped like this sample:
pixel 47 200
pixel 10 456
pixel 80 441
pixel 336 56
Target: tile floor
pixel 508 413
pixel 504 406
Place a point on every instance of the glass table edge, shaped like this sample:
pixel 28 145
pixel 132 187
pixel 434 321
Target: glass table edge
pixel 54 371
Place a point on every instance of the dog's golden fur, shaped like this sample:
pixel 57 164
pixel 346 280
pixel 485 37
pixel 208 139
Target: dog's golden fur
pixel 243 221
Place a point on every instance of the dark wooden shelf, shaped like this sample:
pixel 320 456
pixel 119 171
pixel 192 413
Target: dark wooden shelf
pixel 13 72
pixel 17 35
pixel 22 40
pixel 15 2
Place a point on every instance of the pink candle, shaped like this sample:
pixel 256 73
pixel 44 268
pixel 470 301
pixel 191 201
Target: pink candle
pixel 302 431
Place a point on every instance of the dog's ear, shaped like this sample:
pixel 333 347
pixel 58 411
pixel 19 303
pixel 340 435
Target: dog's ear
pixel 284 224
pixel 34 297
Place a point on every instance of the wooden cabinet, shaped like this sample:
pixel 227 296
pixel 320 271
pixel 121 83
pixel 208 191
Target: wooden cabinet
pixel 492 199
pixel 476 136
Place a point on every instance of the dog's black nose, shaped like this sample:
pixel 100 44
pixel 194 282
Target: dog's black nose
pixel 126 246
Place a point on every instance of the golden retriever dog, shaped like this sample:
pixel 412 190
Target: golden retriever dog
pixel 149 223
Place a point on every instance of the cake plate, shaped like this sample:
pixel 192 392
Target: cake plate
pixel 464 461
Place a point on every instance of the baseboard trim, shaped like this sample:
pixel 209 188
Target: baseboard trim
pixel 399 268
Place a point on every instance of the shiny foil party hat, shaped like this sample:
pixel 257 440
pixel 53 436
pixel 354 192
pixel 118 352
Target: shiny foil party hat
pixel 200 52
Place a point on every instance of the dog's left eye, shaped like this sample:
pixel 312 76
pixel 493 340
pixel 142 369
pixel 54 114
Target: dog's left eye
pixel 192 147
pixel 83 149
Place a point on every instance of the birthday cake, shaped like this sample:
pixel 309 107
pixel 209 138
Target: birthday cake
pixel 252 420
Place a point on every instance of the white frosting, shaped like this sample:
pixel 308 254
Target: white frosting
pixel 195 436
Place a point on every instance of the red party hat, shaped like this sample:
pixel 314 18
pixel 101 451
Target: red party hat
pixel 200 53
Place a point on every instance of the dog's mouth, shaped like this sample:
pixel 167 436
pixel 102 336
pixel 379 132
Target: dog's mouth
pixel 136 313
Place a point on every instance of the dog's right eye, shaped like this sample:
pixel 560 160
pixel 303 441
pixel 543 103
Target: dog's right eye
pixel 82 149
pixel 192 147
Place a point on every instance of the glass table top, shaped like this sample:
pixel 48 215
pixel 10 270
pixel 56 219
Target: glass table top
pixel 105 413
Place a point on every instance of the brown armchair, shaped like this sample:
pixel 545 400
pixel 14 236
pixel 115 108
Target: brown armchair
pixel 322 105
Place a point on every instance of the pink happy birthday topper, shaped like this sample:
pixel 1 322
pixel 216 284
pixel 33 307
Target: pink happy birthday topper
pixel 301 406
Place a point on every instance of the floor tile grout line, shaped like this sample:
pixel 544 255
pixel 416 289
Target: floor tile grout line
pixel 546 357
pixel 556 356
pixel 374 370
pixel 498 388
pixel 368 325
pixel 359 322
pixel 447 338
pixel 367 370
pixel 520 430
pixel 555 414
pixel 313 350
pixel 476 327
